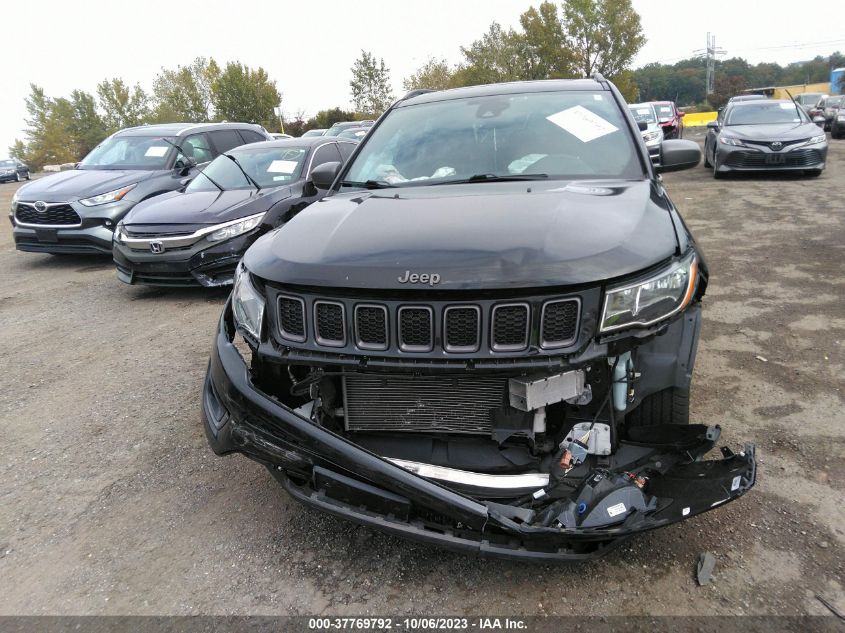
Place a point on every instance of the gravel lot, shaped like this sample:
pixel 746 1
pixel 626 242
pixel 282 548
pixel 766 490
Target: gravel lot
pixel 111 502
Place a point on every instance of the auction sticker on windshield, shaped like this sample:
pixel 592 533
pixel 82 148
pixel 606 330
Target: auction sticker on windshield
pixel 582 123
pixel 283 166
pixel 156 151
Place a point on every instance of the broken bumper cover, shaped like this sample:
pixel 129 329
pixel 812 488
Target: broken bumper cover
pixel 329 473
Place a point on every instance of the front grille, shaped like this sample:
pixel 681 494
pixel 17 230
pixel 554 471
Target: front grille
pixel 416 331
pixel 371 327
pixel 510 327
pixel 559 324
pixel 444 404
pixel 450 328
pixel 58 215
pixel 797 158
pixel 292 318
pixel 462 328
pixel 330 328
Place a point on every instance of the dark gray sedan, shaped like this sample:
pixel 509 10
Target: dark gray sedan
pixel 774 135
pixel 13 170
pixel 196 236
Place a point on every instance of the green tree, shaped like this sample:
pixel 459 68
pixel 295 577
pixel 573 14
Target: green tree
pixel 497 56
pixel 122 106
pixel 86 127
pixel 245 95
pixel 18 150
pixel 370 85
pixel 435 74
pixel 185 93
pixel 544 44
pixel 326 118
pixel 603 35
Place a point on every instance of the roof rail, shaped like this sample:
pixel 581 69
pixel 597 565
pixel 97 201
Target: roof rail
pixel 416 93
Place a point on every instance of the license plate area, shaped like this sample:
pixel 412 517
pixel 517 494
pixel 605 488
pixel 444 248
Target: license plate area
pixel 775 159
pixel 47 235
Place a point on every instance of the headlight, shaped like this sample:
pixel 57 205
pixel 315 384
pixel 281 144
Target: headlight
pixel 110 196
pixel 817 139
pixel 652 136
pixel 247 304
pixel 730 140
pixel 234 229
pixel 840 116
pixel 119 234
pixel 644 303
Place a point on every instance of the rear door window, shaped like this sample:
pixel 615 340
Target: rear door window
pixel 325 154
pixel 197 147
pixel 224 140
pixel 251 136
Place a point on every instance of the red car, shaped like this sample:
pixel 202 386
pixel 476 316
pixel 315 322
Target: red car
pixel 670 118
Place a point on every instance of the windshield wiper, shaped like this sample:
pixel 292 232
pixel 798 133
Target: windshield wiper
pixel 243 171
pixel 494 178
pixel 369 184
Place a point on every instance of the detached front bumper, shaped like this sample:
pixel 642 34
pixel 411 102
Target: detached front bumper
pixel 325 471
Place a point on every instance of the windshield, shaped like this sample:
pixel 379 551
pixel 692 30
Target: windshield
pixel 754 113
pixel 564 134
pixel 7 163
pixel 809 98
pixel 268 166
pixel 834 102
pixel 665 111
pixel 129 152
pixel 643 113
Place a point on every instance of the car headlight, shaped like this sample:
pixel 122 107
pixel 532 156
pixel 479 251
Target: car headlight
pixel 233 229
pixel 646 302
pixel 247 304
pixel 730 140
pixel 119 234
pixel 109 196
pixel 652 136
pixel 821 138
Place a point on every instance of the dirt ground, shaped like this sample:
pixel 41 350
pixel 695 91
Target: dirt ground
pixel 112 503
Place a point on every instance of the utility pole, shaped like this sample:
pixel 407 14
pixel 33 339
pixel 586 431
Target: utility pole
pixel 712 52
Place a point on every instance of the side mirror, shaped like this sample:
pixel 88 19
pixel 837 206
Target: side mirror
pixel 643 125
pixel 677 155
pixel 818 120
pixel 712 125
pixel 322 176
pixel 681 113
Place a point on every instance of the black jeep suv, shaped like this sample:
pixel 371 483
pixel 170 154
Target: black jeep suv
pixel 76 211
pixel 484 336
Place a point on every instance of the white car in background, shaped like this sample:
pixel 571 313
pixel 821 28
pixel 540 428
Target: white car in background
pixel 653 134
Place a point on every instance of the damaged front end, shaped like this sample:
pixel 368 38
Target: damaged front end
pixel 482 449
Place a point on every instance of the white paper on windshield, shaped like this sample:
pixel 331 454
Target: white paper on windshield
pixel 283 166
pixel 582 123
pixel 787 106
pixel 642 111
pixel 156 151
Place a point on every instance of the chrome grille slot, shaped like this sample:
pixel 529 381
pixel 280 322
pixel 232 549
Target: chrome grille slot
pixel 329 327
pixel 371 327
pixel 461 328
pixel 444 404
pixel 559 323
pixel 292 318
pixel 510 327
pixel 416 329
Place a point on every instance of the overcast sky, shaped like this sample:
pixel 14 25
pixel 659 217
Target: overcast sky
pixel 309 46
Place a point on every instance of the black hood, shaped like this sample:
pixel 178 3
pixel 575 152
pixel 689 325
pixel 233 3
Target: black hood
pixel 773 131
pixel 67 186
pixel 491 235
pixel 181 210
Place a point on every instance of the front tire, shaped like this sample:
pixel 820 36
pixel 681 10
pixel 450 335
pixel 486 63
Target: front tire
pixel 28 176
pixel 670 406
pixel 707 163
pixel 17 176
